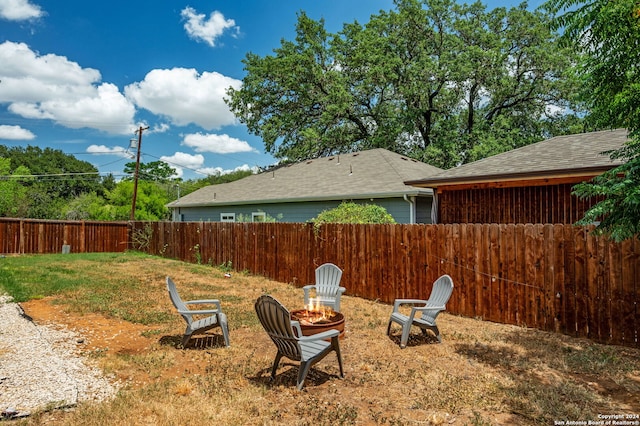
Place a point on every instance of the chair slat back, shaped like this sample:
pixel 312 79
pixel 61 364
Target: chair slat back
pixel 328 278
pixel 176 299
pixel 440 294
pixel 276 321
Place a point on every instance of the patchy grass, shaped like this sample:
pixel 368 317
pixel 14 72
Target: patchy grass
pixel 482 373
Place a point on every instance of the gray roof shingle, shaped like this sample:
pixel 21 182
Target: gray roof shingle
pixel 558 155
pixel 372 173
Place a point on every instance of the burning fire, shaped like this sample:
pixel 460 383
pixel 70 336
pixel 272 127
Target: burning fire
pixel 316 312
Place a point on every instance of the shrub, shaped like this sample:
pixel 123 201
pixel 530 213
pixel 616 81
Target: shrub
pixel 350 212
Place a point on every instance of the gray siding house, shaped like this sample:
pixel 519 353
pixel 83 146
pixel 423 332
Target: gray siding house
pixel 299 192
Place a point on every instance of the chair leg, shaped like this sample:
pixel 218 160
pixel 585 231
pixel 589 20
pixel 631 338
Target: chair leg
pixel 389 328
pixel 302 373
pixel 406 329
pixel 437 333
pixel 225 334
pixel 185 338
pixel 275 365
pixel 336 346
pixel 225 328
pixel 434 330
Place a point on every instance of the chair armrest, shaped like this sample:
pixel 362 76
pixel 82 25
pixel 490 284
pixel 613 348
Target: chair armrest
pixel 341 290
pixel 215 302
pixel 398 302
pixel 199 312
pixel 320 336
pixel 428 308
pixel 423 309
pixel 296 328
pixel 307 293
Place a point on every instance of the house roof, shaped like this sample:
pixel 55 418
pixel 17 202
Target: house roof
pixel 375 173
pixel 571 156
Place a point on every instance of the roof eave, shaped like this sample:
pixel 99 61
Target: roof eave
pixel 543 174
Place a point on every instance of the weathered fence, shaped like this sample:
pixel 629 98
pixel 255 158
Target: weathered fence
pixel 552 277
pixel 48 236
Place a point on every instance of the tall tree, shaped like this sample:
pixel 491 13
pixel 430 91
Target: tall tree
pixel 150 202
pixel 607 35
pixel 155 171
pixel 442 82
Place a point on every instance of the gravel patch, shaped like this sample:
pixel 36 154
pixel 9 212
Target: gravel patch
pixel 40 367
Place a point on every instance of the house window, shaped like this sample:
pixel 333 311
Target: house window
pixel 258 217
pixel 227 217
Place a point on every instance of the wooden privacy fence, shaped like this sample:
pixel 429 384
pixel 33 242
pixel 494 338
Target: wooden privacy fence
pixel 18 236
pixel 552 277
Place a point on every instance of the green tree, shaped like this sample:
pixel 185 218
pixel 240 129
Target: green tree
pixel 54 179
pixel 59 174
pixel 151 200
pixel 156 171
pixel 350 212
pixel 13 195
pixel 86 206
pixel 441 82
pixel 607 36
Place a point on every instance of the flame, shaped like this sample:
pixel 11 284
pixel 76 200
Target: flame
pixel 316 311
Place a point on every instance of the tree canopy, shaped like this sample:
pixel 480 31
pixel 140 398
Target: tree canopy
pixel 48 184
pixel 50 177
pixel 155 171
pixel 442 82
pixel 607 36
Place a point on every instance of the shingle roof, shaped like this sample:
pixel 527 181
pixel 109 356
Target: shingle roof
pixel 561 155
pixel 366 174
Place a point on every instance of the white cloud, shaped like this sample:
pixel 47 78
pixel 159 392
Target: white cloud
pixel 207 30
pixel 218 144
pixel 220 171
pixel 180 161
pixel 52 87
pixel 15 133
pixel 159 128
pixel 105 150
pixel 185 97
pixel 19 10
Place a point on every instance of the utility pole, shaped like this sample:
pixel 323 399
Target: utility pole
pixel 132 216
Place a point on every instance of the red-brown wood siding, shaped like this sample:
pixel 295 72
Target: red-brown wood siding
pixel 531 204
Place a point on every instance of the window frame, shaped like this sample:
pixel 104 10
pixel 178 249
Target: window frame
pixel 226 217
pixel 261 215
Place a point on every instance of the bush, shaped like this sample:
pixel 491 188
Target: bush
pixel 350 212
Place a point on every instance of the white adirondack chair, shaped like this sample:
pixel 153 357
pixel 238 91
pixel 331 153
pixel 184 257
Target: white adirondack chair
pixel 425 313
pixel 327 287
pixel 208 318
pixel 288 338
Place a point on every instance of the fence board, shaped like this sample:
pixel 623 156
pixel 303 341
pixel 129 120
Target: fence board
pixel 508 262
pixel 568 296
pixel 556 313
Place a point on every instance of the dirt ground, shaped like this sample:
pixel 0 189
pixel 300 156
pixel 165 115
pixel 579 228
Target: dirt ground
pixel 100 334
pixel 496 371
pixel 121 337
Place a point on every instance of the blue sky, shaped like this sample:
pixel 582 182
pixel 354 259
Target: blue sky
pixel 82 76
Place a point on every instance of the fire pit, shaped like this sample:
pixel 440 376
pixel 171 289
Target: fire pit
pixel 318 319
